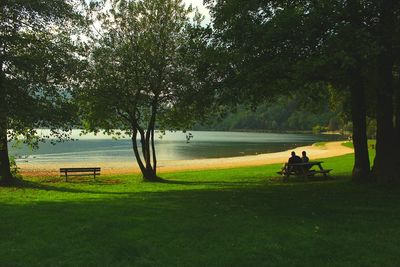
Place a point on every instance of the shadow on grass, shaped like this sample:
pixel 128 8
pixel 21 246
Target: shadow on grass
pixel 101 186
pixel 230 227
pixel 70 187
pixel 216 183
pixel 24 184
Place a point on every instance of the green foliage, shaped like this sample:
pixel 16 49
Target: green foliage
pixel 283 114
pixel 37 66
pixel 38 63
pixel 145 70
pixel 145 62
pixel 295 46
pixel 13 166
pixel 319 129
pixel 345 47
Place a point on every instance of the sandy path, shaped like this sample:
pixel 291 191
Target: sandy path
pixel 331 149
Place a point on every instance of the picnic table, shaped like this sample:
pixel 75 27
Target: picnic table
pixel 304 169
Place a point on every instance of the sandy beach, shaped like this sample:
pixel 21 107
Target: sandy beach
pixel 331 149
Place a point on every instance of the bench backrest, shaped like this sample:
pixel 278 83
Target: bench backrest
pixel 304 163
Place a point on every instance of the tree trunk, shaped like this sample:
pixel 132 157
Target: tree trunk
pixel 151 165
pixel 148 170
pixel 136 151
pixel 361 169
pixel 383 169
pixel 396 87
pixel 384 161
pixel 397 126
pixel 153 147
pixel 5 171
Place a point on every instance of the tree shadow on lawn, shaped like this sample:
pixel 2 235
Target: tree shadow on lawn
pixel 90 186
pixel 231 227
pixel 25 184
pixel 216 183
pixel 96 187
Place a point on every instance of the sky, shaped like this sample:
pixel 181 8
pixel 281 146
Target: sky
pixel 199 4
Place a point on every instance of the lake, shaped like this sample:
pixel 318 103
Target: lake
pixel 172 146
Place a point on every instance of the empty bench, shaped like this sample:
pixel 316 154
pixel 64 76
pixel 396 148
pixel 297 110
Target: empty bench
pixel 95 171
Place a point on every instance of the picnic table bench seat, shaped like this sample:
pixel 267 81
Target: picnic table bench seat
pixel 95 171
pixel 303 169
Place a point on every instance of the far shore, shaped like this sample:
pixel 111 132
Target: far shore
pixel 330 149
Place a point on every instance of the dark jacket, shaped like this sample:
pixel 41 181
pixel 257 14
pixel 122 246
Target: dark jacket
pixel 295 159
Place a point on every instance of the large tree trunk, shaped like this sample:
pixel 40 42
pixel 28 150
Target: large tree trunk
pixel 5 171
pixel 150 159
pixel 361 169
pixel 396 87
pixel 147 165
pixel 383 169
pixel 148 171
pixel 397 126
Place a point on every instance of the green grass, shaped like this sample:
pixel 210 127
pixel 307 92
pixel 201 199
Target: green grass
pixel 234 217
pixel 320 144
pixel 371 143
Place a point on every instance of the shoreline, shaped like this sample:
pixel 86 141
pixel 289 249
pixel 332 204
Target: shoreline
pixel 330 149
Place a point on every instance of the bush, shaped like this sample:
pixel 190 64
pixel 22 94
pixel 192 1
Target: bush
pixel 319 129
pixel 13 166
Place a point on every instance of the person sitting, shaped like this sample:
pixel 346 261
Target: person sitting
pixel 294 159
pixel 304 157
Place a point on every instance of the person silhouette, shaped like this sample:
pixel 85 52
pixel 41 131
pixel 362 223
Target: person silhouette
pixel 294 158
pixel 304 157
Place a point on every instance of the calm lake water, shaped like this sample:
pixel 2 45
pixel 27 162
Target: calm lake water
pixel 172 146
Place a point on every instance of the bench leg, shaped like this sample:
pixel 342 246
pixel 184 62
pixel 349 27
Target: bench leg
pixel 66 176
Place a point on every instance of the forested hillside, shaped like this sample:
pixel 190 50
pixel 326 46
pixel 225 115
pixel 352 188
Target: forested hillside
pixel 284 114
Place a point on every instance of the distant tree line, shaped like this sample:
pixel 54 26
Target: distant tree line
pixel 283 114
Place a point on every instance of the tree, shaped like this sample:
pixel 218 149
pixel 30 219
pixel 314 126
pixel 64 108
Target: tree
pixel 298 43
pixel 145 71
pixel 37 61
pixel 386 28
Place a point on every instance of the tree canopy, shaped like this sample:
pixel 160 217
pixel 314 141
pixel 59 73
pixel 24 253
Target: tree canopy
pixel 281 46
pixel 145 69
pixel 37 63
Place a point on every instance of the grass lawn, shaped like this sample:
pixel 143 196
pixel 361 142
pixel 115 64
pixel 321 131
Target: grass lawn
pixel 235 217
pixel 320 144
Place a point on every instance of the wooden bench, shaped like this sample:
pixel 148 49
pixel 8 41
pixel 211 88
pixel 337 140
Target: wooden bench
pixel 80 172
pixel 303 169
